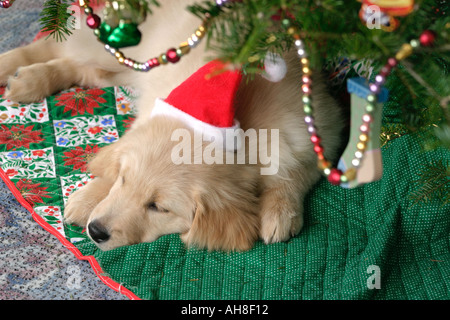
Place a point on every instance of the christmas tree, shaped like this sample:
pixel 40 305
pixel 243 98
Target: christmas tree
pixel 347 38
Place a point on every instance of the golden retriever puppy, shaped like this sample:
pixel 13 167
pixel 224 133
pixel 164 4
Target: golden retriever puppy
pixel 139 193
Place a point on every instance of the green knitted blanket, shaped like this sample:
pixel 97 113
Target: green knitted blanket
pixel 371 242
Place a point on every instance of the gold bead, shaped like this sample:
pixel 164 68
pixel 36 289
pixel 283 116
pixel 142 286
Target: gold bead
pixel 404 52
pixel 350 174
pixel 304 61
pixel 121 60
pixel 323 164
pixel 162 59
pixel 363 137
pixel 306 70
pixel 184 47
pixel 119 55
pixel 361 146
pixel 199 34
pixel 291 30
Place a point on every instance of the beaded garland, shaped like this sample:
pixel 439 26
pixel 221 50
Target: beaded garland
pixel 334 175
pixel 6 3
pixel 172 55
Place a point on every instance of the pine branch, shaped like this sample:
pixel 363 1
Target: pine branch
pixel 56 16
pixel 55 19
pixel 433 183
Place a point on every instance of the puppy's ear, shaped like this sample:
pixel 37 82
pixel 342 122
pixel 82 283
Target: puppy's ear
pixel 230 225
pixel 106 163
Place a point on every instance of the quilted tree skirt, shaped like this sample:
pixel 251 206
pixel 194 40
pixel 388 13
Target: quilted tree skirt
pixel 370 242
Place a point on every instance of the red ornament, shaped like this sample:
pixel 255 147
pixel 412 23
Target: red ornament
pixel 153 62
pixel 392 62
pixel 5 4
pixel 318 148
pixel 315 139
pixel 93 21
pixel 385 70
pixel 172 56
pixel 335 176
pixel 427 38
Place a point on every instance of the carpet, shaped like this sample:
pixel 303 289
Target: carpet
pixel 34 265
pixel 45 146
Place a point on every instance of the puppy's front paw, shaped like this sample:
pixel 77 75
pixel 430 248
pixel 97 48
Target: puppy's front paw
pixel 77 210
pixel 9 63
pixel 280 220
pixel 28 84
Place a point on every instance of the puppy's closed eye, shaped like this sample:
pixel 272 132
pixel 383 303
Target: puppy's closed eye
pixel 153 206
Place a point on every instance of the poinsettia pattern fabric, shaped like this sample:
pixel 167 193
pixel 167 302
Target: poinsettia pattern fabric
pixel 45 146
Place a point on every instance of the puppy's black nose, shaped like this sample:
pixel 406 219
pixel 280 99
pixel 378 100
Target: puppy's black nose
pixel 98 232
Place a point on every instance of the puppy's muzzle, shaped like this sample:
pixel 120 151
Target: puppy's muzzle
pixel 98 232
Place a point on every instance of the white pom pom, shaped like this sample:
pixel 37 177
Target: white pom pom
pixel 275 67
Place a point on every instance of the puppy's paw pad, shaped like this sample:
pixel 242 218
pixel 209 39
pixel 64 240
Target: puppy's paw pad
pixel 9 63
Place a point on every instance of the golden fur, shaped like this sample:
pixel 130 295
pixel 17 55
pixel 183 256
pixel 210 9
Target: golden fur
pixel 139 194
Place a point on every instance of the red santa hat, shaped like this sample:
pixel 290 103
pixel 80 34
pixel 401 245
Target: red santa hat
pixel 205 102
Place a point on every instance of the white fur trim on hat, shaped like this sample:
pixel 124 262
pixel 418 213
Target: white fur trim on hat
pixel 208 131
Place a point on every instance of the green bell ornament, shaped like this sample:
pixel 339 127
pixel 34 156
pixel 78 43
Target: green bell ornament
pixel 120 23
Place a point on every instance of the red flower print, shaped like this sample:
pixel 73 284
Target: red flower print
pixel 11 172
pixel 19 136
pixel 32 192
pixel 95 130
pixel 127 123
pixel 38 153
pixel 79 100
pixel 79 157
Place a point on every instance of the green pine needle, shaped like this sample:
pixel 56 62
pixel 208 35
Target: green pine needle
pixel 433 183
pixel 55 19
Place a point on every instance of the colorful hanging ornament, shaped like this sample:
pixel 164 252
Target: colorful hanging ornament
pixel 172 55
pixel 6 3
pixel 121 19
pixel 365 137
pixel 275 68
pixel 427 38
pixel 382 13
